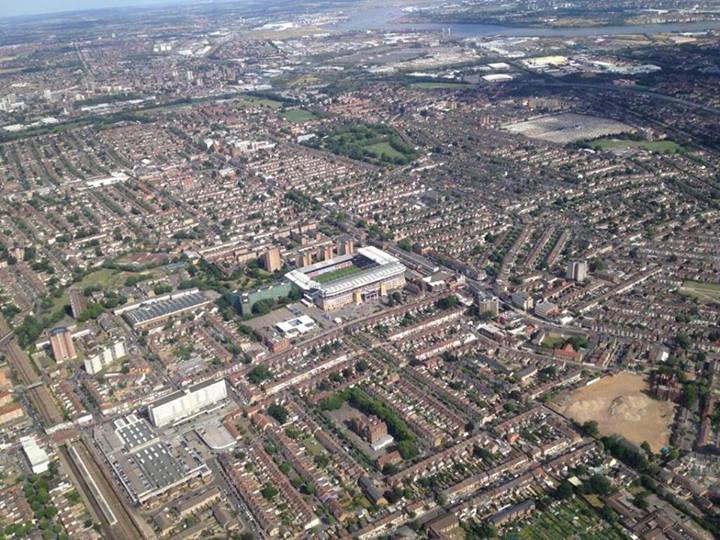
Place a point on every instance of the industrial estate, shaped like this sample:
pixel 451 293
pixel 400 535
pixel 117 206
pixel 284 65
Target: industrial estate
pixel 351 270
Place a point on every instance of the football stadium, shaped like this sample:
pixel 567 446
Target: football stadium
pixel 350 279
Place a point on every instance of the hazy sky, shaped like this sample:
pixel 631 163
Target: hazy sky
pixel 31 7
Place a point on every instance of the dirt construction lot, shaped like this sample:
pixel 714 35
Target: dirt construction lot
pixel 619 406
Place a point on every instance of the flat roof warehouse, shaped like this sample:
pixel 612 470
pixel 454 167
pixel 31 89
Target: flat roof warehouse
pixel 159 308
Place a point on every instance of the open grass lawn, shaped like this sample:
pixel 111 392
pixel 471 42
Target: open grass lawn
pixel 571 519
pixel 252 101
pixel 660 147
pixel 378 144
pixel 438 85
pixel 704 292
pixel 107 278
pixel 337 274
pixel 298 115
pixel 384 149
pixel 553 342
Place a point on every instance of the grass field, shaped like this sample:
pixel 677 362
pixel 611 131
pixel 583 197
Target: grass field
pixel 704 292
pixel 659 147
pixel 337 274
pixel 378 144
pixel 552 342
pixel 106 278
pixel 438 85
pixel 384 149
pixel 298 115
pixel 570 519
pixel 252 101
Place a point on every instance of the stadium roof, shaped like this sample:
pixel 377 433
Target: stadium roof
pixel 386 267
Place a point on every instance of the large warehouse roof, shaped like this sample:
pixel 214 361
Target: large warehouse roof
pixel 164 307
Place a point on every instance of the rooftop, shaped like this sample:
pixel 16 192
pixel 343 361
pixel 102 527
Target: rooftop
pixel 164 306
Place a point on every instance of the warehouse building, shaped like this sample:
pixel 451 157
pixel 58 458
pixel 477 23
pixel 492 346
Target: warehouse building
pixel 187 402
pixel 156 310
pixel 146 465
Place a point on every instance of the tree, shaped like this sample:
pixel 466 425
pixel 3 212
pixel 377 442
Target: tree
pixel 599 484
pixel 672 454
pixel 269 491
pixel 448 302
pixel 278 412
pixel 262 307
pixel 564 490
pixel 407 449
pixel 689 395
pixel 608 514
pixel 259 374
pixel 394 495
pixel 332 403
pixel 405 244
pixel 597 265
pixel 389 469
pixel 590 428
pixel 683 341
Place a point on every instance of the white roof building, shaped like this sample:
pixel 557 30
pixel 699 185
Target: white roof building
pixel 38 458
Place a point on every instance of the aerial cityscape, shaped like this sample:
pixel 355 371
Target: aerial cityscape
pixel 350 269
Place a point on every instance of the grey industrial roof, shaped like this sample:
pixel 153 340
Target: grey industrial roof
pixel 158 465
pixel 135 434
pixel 162 308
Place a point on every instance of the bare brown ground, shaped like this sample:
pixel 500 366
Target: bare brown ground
pixel 619 406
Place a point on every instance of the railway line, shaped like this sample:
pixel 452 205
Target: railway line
pixel 116 521
pixel 44 404
pixel 22 364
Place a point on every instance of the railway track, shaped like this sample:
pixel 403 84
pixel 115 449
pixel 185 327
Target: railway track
pixel 22 364
pixel 44 404
pixel 116 521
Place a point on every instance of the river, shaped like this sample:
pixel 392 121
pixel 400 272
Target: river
pixel 383 18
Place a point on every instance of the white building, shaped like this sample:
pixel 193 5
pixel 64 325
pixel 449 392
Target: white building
pixel 187 402
pixel 296 327
pixel 38 458
pixel 488 304
pixel 95 364
pixel 577 271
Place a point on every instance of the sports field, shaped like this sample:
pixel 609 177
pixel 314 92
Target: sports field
pixel 298 116
pixel 659 147
pixel 337 274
